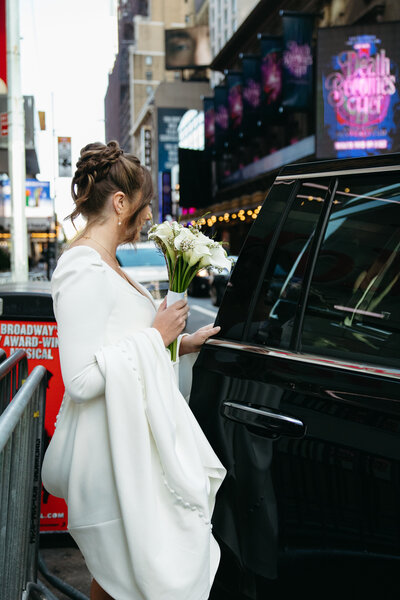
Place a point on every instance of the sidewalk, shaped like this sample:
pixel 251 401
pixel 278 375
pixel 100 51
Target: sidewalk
pixel 64 560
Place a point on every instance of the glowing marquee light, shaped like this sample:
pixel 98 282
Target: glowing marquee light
pixel 358 74
pixel 360 91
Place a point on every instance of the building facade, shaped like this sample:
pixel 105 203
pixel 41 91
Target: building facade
pixel 245 169
pixel 117 102
pixel 140 64
pixel 145 101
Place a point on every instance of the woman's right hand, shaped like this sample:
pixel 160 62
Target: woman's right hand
pixel 171 321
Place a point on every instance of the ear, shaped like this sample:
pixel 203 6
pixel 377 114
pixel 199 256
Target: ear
pixel 119 202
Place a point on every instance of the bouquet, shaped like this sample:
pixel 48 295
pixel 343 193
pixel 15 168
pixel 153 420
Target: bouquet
pixel 186 251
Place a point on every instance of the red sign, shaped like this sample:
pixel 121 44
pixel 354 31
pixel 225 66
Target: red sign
pixel 40 342
pixel 3 124
pixel 3 48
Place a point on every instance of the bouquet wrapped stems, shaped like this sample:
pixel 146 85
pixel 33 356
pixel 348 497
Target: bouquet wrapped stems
pixel 182 276
pixel 186 251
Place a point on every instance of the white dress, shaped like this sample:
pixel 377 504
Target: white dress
pixel 119 478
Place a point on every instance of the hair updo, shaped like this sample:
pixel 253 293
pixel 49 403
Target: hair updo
pixel 102 170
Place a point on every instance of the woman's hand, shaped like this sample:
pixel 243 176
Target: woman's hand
pixel 171 321
pixel 193 342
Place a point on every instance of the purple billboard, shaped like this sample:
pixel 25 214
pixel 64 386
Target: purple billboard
pixel 251 66
pixel 358 98
pixel 234 83
pixel 271 73
pixel 209 123
pixel 221 116
pixel 297 64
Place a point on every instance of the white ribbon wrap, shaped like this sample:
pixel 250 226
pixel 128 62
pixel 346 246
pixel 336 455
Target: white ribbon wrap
pixel 173 297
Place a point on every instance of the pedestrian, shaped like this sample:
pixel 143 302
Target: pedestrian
pixel 127 455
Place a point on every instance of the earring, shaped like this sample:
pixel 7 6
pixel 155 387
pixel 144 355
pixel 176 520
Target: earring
pixel 119 219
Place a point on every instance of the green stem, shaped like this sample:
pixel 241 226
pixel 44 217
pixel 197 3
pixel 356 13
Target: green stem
pixel 190 274
pixel 173 349
pixel 180 279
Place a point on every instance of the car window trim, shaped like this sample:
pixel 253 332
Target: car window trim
pixel 338 172
pixel 268 257
pixel 316 244
pixel 314 359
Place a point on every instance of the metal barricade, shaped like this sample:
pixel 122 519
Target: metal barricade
pixel 13 373
pixel 21 435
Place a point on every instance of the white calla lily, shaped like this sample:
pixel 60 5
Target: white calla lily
pixel 185 240
pixel 218 258
pixel 186 250
pixel 165 234
pixel 197 254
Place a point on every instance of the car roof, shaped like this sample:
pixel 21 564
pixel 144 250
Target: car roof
pixel 349 166
pixel 137 246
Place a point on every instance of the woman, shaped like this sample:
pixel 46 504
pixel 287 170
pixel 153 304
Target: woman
pixel 138 475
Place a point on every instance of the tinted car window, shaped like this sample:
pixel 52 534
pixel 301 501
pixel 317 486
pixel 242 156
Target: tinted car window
pixel 243 281
pixel 279 293
pixel 353 310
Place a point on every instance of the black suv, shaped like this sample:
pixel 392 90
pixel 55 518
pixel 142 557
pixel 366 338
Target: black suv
pixel 305 377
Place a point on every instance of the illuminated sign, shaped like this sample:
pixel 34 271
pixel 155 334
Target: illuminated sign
pixel 358 90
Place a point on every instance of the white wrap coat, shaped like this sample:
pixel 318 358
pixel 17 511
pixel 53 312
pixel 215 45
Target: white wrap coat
pixel 137 473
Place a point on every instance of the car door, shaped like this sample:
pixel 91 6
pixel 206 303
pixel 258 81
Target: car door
pixel 305 381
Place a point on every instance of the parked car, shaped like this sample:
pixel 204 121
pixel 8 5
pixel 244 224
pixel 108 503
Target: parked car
pixel 218 280
pixel 144 263
pixel 299 393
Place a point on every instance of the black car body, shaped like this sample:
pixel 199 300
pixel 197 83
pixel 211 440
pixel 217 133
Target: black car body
pixel 305 377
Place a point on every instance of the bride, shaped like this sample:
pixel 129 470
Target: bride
pixel 127 455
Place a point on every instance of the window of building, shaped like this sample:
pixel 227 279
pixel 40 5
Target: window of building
pixel 149 75
pixel 353 308
pixel 149 90
pixel 149 60
pixel 128 31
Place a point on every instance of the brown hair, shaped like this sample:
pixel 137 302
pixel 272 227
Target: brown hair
pixel 102 170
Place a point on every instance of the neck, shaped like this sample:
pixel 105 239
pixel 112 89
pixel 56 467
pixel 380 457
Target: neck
pixel 104 235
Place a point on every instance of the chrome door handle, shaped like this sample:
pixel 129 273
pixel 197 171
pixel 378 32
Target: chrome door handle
pixel 267 422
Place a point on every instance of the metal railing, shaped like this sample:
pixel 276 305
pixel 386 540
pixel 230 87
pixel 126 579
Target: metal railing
pixel 21 436
pixel 13 373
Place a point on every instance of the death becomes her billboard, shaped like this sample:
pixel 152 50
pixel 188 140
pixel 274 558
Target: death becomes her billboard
pixel 358 102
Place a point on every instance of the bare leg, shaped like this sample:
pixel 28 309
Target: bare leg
pixel 97 593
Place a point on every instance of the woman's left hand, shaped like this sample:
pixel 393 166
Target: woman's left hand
pixel 194 341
